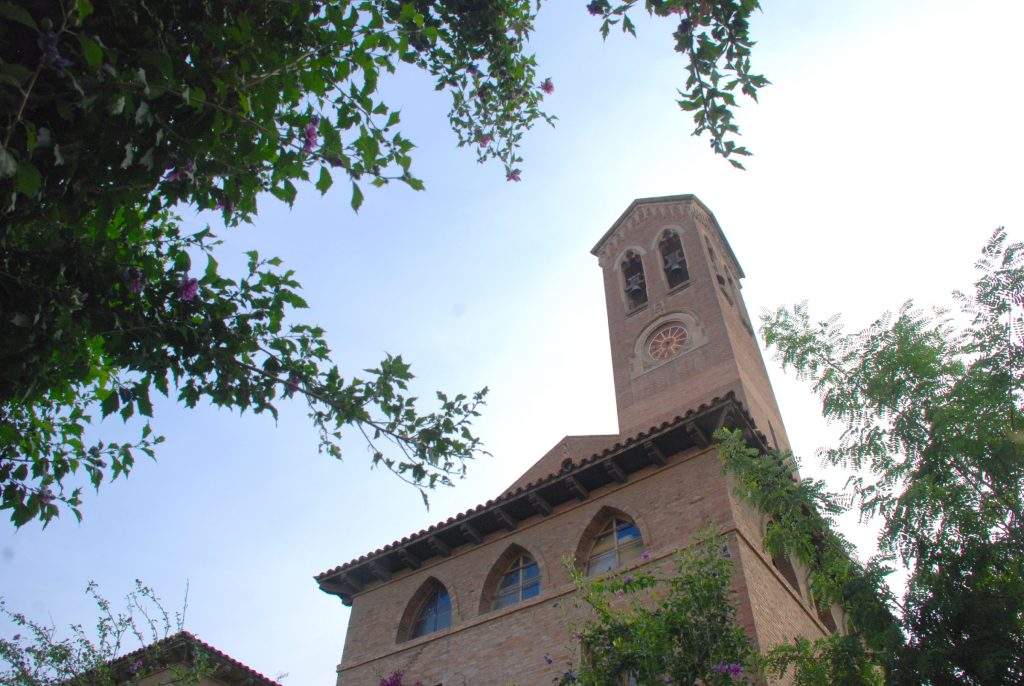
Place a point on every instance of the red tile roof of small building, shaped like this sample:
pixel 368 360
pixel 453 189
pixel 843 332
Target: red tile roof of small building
pixel 187 639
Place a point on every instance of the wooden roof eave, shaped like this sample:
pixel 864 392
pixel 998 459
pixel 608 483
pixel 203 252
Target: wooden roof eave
pixel 541 498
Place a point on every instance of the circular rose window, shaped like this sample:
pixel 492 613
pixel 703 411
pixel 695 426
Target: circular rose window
pixel 667 342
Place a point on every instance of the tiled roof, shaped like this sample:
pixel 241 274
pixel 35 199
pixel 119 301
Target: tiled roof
pixel 238 672
pixel 536 497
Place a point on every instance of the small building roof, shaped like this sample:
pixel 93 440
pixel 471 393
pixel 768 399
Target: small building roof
pixel 181 647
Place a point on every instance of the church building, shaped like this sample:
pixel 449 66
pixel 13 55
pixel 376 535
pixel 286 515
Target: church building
pixel 483 598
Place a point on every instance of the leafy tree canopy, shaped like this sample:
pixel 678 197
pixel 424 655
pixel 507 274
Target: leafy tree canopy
pixel 931 410
pixel 116 115
pixel 677 628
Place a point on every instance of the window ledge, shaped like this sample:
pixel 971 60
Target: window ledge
pixel 638 308
pixel 680 287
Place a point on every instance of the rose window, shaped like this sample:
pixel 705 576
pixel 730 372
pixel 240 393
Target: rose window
pixel 667 342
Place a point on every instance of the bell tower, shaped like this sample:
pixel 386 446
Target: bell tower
pixel 678 326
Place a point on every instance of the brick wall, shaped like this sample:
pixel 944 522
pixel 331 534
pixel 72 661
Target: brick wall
pixel 513 645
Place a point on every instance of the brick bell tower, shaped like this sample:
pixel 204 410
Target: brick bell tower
pixel 679 330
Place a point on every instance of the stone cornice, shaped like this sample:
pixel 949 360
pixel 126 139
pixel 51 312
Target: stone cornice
pixel 667 206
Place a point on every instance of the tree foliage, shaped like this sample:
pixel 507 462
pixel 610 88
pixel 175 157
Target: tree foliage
pixel 117 116
pixel 678 628
pixel 931 411
pixel 714 36
pixel 801 524
pixel 37 655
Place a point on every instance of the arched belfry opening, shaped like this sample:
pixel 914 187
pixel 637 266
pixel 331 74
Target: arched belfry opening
pixel 673 260
pixel 634 281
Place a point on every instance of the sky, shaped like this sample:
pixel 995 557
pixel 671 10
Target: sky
pixel 886 151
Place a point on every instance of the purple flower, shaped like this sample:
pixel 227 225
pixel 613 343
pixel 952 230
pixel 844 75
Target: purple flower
pixel 17 637
pixel 225 205
pixel 182 171
pixel 513 175
pixel 135 666
pixel 187 289
pixel 547 86
pixel 628 580
pixel 646 556
pixel 730 668
pixel 597 7
pixel 134 278
pixel 51 55
pixel 549 659
pixel 485 139
pixel 45 496
pixel 310 135
pixel 393 679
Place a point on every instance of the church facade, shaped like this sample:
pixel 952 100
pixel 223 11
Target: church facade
pixel 483 598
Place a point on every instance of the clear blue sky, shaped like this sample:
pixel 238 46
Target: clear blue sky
pixel 885 153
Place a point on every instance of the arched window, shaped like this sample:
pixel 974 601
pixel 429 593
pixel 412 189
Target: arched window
pixel 520 581
pixel 633 280
pixel 618 543
pixel 828 619
pixel 785 567
pixel 434 615
pixel 672 259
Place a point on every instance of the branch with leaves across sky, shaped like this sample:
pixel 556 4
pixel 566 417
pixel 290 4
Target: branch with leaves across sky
pixel 931 408
pixel 714 36
pixel 115 115
pixel 37 654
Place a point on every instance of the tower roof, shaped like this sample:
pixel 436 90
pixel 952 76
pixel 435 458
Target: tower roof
pixel 686 197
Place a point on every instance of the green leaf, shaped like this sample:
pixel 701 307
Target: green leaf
pixel 210 275
pixel 91 50
pixel 325 180
pixel 27 179
pixel 111 403
pixel 357 196
pixel 182 261
pixel 143 402
pixel 18 14
pixel 83 8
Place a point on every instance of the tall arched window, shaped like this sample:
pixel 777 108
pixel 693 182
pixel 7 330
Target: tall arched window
pixel 434 615
pixel 633 280
pixel 828 619
pixel 618 543
pixel 785 567
pixel 672 259
pixel 520 581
